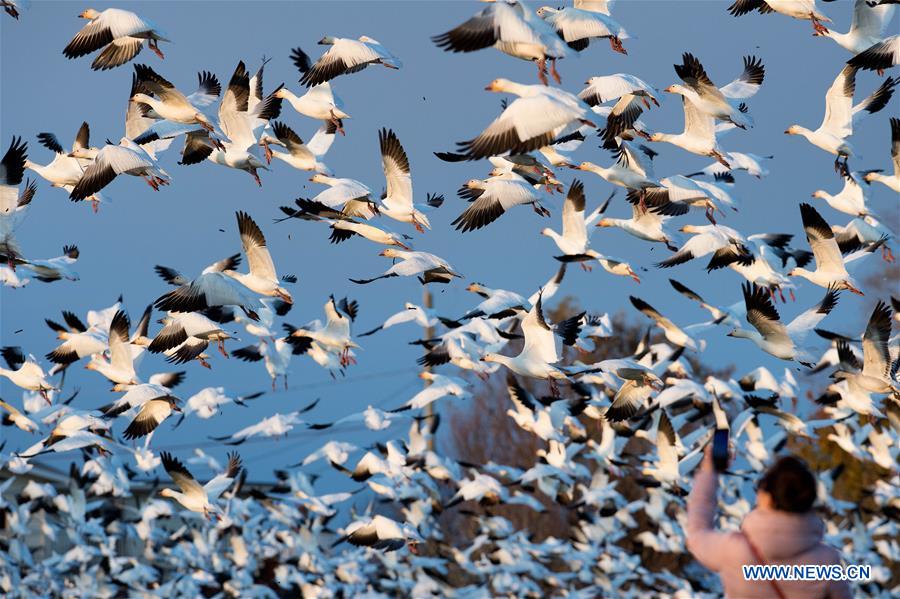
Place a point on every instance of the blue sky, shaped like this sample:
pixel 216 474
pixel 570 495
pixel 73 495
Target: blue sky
pixel 434 101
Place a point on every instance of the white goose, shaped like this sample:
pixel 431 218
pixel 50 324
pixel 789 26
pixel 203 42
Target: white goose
pixel 335 335
pixel 304 157
pixel 78 341
pixel 578 25
pixel 511 28
pixel 119 368
pixel 150 416
pixel 398 200
pixel 720 103
pixel 773 337
pixel 841 115
pixel 24 372
pixel 380 533
pixel 54 269
pixel 797 9
pixel 540 352
pixel 342 230
pixel 866 29
pixel 643 224
pixel 187 334
pixel 262 277
pixel 674 334
pixel 275 355
pixel 319 102
pixel 874 374
pixel 633 95
pixel 13 204
pixel 427 267
pixel 533 120
pixel 892 181
pixel 120 33
pixel 633 168
pixel 64 171
pixel 19 419
pixel 852 197
pixel 830 267
pixel 348 197
pixel 492 197
pixel 170 104
pixel 193 496
pixel 725 244
pixel 125 158
pixel 699 135
pixel 347 56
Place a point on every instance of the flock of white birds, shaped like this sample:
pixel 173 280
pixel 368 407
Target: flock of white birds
pixel 99 536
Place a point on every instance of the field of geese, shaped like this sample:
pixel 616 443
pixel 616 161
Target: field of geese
pixel 440 299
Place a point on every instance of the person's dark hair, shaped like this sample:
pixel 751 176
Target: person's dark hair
pixel 790 484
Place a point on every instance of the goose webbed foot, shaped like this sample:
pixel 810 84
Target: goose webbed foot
pixel 791 293
pixel 886 254
pixel 542 71
pixel 338 124
pixel 155 47
pixel 781 294
pixel 553 72
pixel 710 216
pixel 256 177
pixel 221 345
pixel 616 44
pixel 818 27
pixel 95 205
pixel 586 267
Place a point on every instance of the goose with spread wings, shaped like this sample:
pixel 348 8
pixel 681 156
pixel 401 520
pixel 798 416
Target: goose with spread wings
pixel 335 335
pixel 319 102
pixel 119 368
pixel 725 103
pixel 398 200
pixel 577 25
pixel 785 342
pixel 892 181
pixel 841 115
pixel 533 120
pixel 511 28
pixel 345 56
pixel 541 351
pixel 120 33
pixel 880 56
pixel 428 268
pixel 699 135
pixel 806 10
pixel 192 495
pixel 866 28
pixel 64 171
pixel 831 269
pixel 492 197
pixel 24 371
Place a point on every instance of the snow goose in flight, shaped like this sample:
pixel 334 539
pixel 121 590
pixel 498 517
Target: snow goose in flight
pixel 699 135
pixel 852 197
pixel 262 277
pixel 738 161
pixel 242 125
pixel 492 197
pixel 676 196
pixel 120 33
pixel 497 304
pixel 438 386
pixel 841 115
pixel 193 496
pixel 16 417
pixel 720 103
pixel 874 374
pixel 124 158
pixel 865 233
pixel 119 368
pixel 427 267
pixel 880 56
pixel 578 25
pixel 335 335
pixel 533 120
pixel 892 181
pixel 173 277
pixel 633 95
pixel 275 355
pixel 188 335
pixel 540 352
pixel 345 197
pixel 209 290
pixel 342 230
pixel 797 9
pixel 78 341
pixel 304 157
pixel 170 104
pixel 398 200
pixel 771 335
pixel 54 269
pixel 510 27
pixel 422 317
pixel 674 334
pixel 830 268
pixel 319 102
pixel 380 533
pixel 25 372
pixel 13 203
pixel 643 224
pixel 64 171
pixel 639 384
pixel 150 416
pixel 866 29
pixel 633 168
pixel 347 56
pixel 725 244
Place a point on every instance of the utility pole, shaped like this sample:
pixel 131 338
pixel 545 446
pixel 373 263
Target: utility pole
pixel 427 303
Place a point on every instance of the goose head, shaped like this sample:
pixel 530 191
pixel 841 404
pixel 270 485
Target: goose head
pixel 392 253
pixel 588 166
pixel 546 11
pixel 821 194
pixel 283 93
pixel 168 493
pixel 606 222
pixel 739 333
pixel 90 13
pixel 794 130
pixel 327 41
pixel 657 137
pixel 499 85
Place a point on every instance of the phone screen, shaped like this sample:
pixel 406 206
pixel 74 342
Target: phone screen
pixel 720 449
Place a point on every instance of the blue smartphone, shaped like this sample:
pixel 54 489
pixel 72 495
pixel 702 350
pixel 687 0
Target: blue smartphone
pixel 720 449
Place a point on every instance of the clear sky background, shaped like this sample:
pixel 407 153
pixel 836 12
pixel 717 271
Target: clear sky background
pixel 434 101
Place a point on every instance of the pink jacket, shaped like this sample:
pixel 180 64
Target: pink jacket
pixel 781 538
